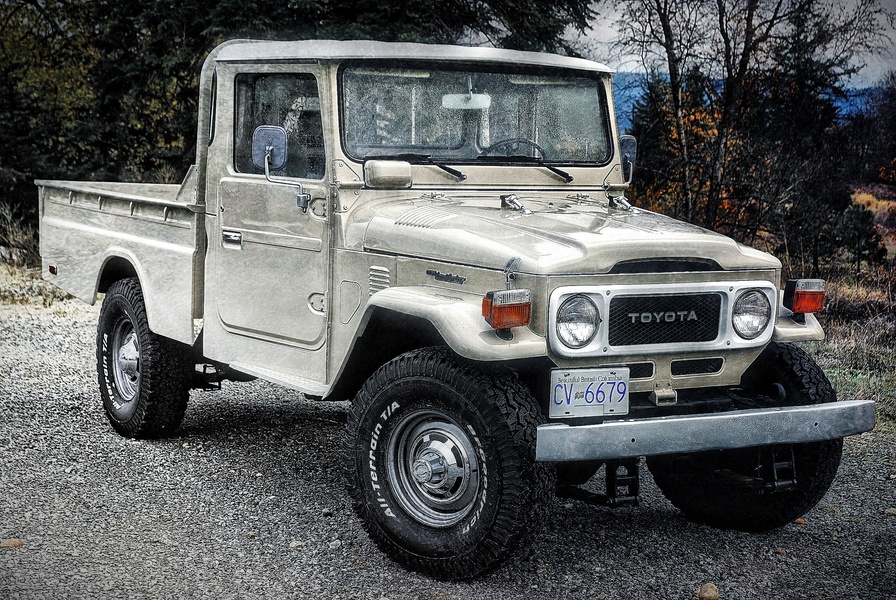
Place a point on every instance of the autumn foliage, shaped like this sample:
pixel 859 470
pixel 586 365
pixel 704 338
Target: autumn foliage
pixel 743 128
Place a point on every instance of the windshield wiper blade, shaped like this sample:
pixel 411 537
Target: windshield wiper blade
pixel 419 158
pixel 517 158
pixel 558 172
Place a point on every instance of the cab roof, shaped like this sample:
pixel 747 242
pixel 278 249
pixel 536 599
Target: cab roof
pixel 334 50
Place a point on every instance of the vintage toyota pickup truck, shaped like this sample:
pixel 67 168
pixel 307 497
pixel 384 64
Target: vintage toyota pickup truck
pixel 441 235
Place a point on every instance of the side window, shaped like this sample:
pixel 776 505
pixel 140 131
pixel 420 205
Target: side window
pixel 290 101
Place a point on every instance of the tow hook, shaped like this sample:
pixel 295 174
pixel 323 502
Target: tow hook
pixel 775 472
pixel 622 486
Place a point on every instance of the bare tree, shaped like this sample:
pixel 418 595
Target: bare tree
pixel 667 33
pixel 732 43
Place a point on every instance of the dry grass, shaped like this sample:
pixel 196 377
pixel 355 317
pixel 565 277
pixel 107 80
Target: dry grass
pixel 884 209
pixel 20 285
pixel 859 357
pixel 20 281
pixel 862 296
pixel 859 354
pixel 18 238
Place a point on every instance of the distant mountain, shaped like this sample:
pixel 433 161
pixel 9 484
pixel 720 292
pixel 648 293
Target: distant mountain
pixel 856 101
pixel 628 87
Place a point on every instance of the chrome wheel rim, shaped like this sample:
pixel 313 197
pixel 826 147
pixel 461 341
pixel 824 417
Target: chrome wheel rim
pixel 434 469
pixel 126 360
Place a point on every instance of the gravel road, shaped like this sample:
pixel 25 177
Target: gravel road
pixel 248 501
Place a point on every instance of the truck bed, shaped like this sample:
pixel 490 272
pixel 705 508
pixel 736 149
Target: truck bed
pixel 91 230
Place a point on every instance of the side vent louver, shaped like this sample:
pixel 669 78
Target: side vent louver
pixel 424 216
pixel 378 279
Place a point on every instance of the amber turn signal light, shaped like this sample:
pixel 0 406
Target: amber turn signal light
pixel 803 296
pixel 506 309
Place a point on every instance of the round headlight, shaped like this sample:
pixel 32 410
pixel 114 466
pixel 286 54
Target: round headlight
pixel 751 314
pixel 577 321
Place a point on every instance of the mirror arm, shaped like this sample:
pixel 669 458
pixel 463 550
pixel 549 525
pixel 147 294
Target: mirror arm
pixel 302 199
pixel 631 172
pixel 267 162
pixel 619 200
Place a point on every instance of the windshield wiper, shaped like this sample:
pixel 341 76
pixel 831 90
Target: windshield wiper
pixel 419 158
pixel 530 159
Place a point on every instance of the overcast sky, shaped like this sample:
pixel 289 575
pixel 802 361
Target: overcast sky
pixel 604 33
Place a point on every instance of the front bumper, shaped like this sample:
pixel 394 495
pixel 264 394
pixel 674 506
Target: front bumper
pixel 557 442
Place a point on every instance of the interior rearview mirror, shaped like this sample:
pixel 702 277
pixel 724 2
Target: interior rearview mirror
pixel 466 101
pixel 628 148
pixel 269 147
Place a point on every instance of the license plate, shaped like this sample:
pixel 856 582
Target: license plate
pixel 589 392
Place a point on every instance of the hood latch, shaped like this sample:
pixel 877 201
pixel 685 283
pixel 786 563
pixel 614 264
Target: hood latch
pixel 512 202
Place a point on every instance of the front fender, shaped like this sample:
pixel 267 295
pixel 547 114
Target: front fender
pixel 457 316
pixel 787 329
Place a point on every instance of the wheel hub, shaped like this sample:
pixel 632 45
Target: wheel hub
pixel 125 359
pixel 434 468
pixel 430 468
pixel 128 355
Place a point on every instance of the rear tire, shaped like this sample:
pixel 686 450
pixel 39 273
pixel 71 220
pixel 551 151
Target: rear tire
pixel 144 379
pixel 701 484
pixel 441 464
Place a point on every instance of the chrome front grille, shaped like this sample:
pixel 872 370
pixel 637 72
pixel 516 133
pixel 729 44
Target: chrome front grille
pixel 666 319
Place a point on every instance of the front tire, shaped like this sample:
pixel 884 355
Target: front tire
pixel 708 487
pixel 144 379
pixel 441 464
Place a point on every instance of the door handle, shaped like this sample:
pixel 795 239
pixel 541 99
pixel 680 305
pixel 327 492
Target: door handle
pixel 232 238
pixel 303 199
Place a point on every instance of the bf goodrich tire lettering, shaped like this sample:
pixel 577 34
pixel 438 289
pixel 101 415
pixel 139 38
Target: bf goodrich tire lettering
pixel 441 465
pixel 144 378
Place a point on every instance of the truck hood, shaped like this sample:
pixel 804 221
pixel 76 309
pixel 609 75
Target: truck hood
pixel 549 236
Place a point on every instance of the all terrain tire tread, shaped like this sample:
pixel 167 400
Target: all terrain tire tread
pixel 165 374
pixel 526 486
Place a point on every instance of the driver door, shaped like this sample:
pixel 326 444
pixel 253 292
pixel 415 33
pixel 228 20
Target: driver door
pixel 271 271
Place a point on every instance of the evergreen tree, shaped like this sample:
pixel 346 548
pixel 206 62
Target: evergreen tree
pixel 108 88
pixel 860 237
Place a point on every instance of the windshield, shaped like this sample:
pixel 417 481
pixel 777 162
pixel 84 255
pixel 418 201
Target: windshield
pixel 452 113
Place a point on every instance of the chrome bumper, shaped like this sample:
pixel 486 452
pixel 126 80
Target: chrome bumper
pixel 696 433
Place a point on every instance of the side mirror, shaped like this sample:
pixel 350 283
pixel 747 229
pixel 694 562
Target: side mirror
pixel 269 152
pixel 387 174
pixel 269 148
pixel 628 148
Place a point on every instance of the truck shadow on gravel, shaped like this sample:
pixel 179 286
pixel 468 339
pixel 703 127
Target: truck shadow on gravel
pixel 286 455
pixel 278 460
pixel 216 412
pixel 295 442
pixel 268 432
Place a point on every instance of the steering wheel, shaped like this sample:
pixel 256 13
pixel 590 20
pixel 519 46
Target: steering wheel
pixel 512 142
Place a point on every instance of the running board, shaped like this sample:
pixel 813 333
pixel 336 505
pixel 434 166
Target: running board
pixel 308 387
